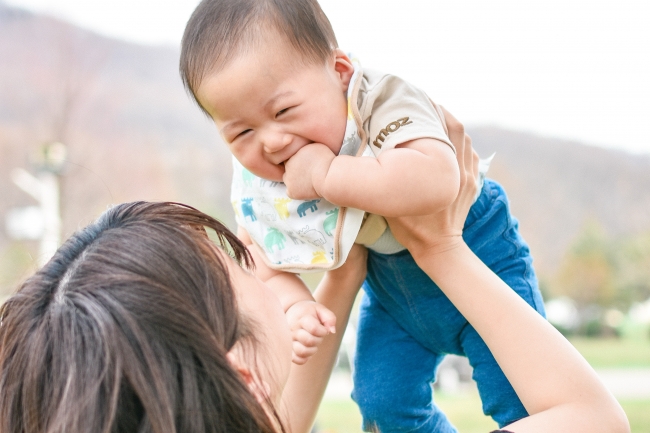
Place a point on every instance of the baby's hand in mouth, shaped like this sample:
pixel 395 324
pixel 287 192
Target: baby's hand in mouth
pixel 305 171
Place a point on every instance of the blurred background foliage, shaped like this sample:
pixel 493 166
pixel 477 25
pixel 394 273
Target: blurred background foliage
pixel 604 277
pixel 611 272
pixel 132 133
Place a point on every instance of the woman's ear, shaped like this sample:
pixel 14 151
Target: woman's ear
pixel 343 67
pixel 259 388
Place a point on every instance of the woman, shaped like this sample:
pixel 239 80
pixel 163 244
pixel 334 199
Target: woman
pixel 141 323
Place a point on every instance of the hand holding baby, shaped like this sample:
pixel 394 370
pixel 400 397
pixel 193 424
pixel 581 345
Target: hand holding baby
pixel 305 171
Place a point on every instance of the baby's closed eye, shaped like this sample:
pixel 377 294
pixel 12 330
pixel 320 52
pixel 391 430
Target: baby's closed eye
pixel 281 112
pixel 241 134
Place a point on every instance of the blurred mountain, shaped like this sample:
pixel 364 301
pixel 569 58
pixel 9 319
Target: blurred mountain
pixel 557 187
pixel 130 128
pixel 134 134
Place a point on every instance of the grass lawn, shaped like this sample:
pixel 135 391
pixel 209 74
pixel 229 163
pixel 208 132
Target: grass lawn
pixel 464 410
pixel 338 416
pixel 614 353
pixel 638 412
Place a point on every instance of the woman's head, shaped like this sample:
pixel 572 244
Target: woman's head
pixel 133 326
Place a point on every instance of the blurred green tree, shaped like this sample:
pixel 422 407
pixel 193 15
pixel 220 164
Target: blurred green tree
pixel 604 271
pixel 588 272
pixel 633 269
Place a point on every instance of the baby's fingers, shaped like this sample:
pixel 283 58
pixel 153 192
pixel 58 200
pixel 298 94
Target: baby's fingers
pixel 306 339
pixel 304 346
pixel 327 318
pixel 313 326
pixel 301 354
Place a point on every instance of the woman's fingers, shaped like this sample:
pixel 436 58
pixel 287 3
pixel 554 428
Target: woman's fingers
pixel 475 161
pixel 467 162
pixel 454 127
pixel 441 231
pixel 463 144
pixel 469 153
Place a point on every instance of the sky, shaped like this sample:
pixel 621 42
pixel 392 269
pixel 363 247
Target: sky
pixel 574 69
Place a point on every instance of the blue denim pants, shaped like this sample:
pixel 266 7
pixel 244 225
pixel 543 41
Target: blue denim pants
pixel 407 325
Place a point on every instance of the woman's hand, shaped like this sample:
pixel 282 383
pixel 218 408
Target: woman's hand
pixel 442 231
pixel 560 391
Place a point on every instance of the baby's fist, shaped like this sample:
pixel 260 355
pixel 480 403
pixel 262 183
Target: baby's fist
pixel 309 322
pixel 305 171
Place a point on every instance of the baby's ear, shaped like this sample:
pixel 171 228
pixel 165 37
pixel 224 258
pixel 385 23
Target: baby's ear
pixel 343 67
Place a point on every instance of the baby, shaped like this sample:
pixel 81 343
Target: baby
pixel 302 118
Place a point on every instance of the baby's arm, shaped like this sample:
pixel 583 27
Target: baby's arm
pixel 306 385
pixel 415 178
pixel 308 320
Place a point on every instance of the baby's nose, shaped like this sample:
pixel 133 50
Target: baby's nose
pixel 275 141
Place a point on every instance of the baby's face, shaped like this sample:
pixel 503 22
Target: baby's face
pixel 267 104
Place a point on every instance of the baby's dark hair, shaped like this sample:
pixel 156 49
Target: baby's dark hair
pixel 219 29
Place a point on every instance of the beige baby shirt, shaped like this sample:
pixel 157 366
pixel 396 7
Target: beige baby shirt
pixel 390 112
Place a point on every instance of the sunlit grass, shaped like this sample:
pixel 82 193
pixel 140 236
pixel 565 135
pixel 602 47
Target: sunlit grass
pixel 638 412
pixel 464 410
pixel 338 416
pixel 614 352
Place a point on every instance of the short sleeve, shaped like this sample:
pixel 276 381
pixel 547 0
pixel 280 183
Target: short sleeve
pixel 400 112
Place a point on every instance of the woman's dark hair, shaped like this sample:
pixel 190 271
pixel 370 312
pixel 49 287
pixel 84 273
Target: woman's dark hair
pixel 219 29
pixel 126 329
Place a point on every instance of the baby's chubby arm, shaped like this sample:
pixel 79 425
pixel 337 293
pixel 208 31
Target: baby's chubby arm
pixel 308 320
pixel 417 177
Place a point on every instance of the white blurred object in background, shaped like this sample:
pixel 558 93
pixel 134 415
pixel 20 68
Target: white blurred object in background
pixel 25 223
pixel 562 312
pixel 640 312
pixel 43 221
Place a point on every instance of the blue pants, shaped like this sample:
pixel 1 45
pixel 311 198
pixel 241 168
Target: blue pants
pixel 407 325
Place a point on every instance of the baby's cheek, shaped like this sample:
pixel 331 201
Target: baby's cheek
pixel 333 136
pixel 264 169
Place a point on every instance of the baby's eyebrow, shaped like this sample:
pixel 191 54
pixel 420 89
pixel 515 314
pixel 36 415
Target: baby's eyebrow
pixel 275 98
pixel 229 126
